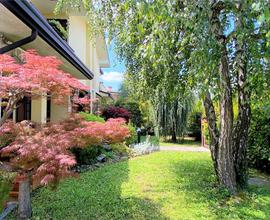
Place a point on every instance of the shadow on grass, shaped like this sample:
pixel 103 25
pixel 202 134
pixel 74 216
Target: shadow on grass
pixel 95 195
pixel 199 183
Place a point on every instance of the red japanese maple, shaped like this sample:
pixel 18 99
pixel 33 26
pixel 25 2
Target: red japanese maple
pixel 44 152
pixel 33 77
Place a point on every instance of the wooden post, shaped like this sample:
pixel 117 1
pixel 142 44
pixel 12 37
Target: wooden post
pixel 25 210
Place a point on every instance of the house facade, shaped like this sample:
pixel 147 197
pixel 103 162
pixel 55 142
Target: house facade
pixel 82 54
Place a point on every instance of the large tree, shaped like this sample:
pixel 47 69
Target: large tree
pixel 219 46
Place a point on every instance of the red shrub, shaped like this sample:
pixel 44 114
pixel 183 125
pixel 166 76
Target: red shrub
pixel 116 112
pixel 45 152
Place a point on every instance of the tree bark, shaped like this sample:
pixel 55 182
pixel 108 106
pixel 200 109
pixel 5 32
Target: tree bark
pixel 5 116
pixel 174 138
pixel 224 158
pixel 240 139
pixel 212 127
pixel 8 111
pixel 25 210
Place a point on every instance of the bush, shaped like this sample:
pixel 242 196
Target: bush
pixel 91 117
pixel 86 155
pixel 121 149
pixel 134 109
pixel 133 135
pixel 259 141
pixel 116 112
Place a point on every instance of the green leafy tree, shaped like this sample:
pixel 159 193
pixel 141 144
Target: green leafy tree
pixel 218 47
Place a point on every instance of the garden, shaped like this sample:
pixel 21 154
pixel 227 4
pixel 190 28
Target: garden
pixel 197 77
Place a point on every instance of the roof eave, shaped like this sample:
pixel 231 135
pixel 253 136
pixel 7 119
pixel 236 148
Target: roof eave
pixel 31 17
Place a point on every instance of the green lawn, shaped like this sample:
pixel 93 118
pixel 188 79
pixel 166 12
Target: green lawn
pixel 163 185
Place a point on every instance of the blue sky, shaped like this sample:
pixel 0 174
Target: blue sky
pixel 113 76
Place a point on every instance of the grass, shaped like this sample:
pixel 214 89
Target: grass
pixel 163 185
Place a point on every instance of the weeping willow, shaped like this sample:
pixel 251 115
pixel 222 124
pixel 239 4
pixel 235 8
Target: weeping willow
pixel 172 115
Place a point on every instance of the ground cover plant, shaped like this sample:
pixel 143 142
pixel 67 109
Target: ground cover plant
pixel 163 185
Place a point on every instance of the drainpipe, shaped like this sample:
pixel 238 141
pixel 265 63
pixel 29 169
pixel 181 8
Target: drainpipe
pixel 19 43
pixel 2 44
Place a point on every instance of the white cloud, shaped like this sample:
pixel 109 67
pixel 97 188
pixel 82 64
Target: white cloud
pixel 112 77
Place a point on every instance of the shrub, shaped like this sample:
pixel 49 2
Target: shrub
pixel 121 149
pixel 91 117
pixel 86 155
pixel 132 139
pixel 134 109
pixel 116 112
pixel 259 141
pixel 46 151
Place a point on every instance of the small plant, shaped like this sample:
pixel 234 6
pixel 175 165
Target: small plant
pixel 121 149
pixel 132 139
pixel 91 117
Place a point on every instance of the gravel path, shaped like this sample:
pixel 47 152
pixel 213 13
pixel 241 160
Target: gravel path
pixel 184 148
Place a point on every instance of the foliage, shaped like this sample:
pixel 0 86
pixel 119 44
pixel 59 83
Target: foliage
pixel 132 139
pixel 134 109
pixel 8 133
pixel 172 116
pixel 34 77
pixel 123 191
pixel 116 112
pixel 86 155
pixel 91 117
pixel 45 151
pixel 5 186
pixel 194 125
pixel 59 28
pixel 121 148
pixel 259 140
pixel 219 47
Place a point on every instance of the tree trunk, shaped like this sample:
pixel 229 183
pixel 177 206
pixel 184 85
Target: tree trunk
pixel 5 116
pixel 174 137
pixel 24 199
pixel 8 111
pixel 240 139
pixel 212 127
pixel 225 159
